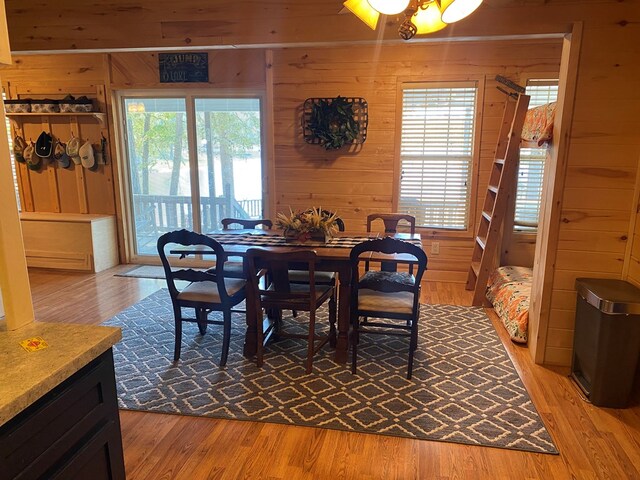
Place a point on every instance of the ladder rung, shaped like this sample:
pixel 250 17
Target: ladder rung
pixel 492 188
pixel 499 161
pixel 486 216
pixel 475 267
pixel 482 242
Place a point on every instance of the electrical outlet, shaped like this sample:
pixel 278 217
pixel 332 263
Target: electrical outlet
pixel 435 248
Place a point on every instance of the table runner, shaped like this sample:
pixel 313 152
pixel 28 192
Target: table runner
pixel 265 240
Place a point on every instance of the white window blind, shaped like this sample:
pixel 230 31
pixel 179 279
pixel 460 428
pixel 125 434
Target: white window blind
pixel 531 171
pixel 436 154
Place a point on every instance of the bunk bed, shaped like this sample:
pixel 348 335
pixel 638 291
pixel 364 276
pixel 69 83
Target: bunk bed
pixel 509 286
pixel 509 290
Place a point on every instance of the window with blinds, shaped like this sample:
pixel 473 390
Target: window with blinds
pixel 531 170
pixel 436 150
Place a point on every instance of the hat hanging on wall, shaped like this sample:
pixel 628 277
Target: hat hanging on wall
pixel 60 154
pixel 73 145
pixel 103 149
pixel 18 148
pixel 86 155
pixel 44 145
pixel 33 160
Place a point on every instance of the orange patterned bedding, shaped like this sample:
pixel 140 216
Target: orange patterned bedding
pixel 538 124
pixel 508 290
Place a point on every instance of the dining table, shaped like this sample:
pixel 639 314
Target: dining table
pixel 333 256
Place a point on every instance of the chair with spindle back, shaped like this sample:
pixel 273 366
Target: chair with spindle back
pixel 276 293
pixel 321 278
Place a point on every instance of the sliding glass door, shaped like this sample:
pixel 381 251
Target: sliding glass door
pixel 229 159
pixel 192 160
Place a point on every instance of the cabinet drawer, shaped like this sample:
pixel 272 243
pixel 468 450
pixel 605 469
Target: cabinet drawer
pixel 95 459
pixel 46 435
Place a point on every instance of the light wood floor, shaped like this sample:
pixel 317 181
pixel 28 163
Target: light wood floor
pixel 594 443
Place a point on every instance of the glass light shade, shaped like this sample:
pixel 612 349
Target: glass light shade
pixel 389 7
pixel 428 20
pixel 454 10
pixel 364 11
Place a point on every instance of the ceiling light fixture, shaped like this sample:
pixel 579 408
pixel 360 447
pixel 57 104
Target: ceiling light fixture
pixel 420 16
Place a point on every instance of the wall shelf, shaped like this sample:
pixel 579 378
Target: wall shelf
pixel 101 117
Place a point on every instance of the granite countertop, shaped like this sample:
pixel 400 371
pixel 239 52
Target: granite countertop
pixel 26 376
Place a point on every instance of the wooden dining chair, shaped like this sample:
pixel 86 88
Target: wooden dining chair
pixel 205 292
pixel 234 266
pixel 321 278
pixel 339 221
pixel 386 302
pixel 391 222
pixel 268 273
pixel 246 223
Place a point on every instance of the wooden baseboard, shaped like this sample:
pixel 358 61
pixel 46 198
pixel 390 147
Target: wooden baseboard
pixel 59 260
pixel 446 276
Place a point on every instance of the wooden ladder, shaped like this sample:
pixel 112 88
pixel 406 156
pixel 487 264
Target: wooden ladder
pixel 500 191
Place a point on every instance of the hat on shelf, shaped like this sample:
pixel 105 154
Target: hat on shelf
pixel 18 148
pixel 44 145
pixel 33 161
pixel 86 155
pixel 73 146
pixel 60 154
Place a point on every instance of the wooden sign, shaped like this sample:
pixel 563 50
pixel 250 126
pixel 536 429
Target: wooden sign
pixel 183 67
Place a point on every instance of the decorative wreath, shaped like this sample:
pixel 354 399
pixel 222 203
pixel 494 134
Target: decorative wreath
pixel 333 122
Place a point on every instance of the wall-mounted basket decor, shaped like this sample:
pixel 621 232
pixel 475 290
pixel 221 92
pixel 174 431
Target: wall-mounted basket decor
pixel 335 122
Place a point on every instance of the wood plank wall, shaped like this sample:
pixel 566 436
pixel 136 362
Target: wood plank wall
pixel 632 260
pixel 356 183
pixel 243 69
pixel 52 188
pixel 598 207
pixel 360 181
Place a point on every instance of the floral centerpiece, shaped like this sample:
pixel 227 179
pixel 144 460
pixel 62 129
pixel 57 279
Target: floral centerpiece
pixel 312 224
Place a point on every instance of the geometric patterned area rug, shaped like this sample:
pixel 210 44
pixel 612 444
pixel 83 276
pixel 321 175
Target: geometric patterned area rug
pixel 464 387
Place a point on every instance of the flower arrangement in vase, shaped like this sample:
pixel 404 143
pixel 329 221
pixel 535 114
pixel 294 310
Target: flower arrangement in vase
pixel 313 224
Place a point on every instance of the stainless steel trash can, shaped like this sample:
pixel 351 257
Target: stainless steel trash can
pixel 606 343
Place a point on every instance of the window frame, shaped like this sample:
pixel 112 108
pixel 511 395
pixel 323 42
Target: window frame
pixel 479 82
pixel 190 96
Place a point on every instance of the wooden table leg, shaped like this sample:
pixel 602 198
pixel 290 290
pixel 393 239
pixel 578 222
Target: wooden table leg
pixel 253 315
pixel 250 337
pixel 344 299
